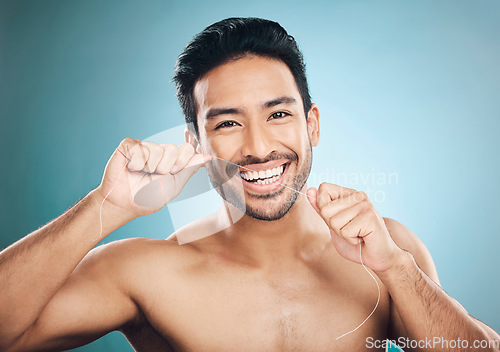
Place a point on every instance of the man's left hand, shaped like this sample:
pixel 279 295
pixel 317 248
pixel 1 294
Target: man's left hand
pixel 354 222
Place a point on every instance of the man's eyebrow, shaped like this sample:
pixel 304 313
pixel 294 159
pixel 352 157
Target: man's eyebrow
pixel 278 101
pixel 222 111
pixel 214 112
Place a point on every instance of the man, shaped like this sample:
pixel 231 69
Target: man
pixel 285 277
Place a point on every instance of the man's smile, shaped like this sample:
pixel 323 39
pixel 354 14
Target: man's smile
pixel 265 177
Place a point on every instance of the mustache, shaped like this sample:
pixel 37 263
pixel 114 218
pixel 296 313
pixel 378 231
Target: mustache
pixel 232 168
pixel 273 156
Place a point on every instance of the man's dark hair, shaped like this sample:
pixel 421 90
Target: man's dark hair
pixel 230 39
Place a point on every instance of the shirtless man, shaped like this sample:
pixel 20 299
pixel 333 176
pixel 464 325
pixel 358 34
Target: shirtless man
pixel 285 277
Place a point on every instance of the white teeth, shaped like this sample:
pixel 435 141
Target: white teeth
pixel 267 180
pixel 263 177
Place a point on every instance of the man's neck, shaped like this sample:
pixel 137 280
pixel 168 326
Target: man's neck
pixel 299 234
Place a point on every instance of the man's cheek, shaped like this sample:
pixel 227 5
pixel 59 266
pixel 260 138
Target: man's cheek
pixel 225 146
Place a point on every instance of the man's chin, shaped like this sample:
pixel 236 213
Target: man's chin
pixel 271 207
pixel 266 216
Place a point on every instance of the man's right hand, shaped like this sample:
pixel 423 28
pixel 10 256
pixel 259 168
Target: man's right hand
pixel 67 309
pixel 135 164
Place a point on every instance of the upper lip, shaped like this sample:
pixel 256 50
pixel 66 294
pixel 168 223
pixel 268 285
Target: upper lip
pixel 264 166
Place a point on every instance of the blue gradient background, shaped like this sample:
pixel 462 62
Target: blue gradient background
pixel 405 87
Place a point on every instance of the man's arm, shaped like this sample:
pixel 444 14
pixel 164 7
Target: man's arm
pixel 47 298
pixel 92 302
pixel 33 269
pixel 420 307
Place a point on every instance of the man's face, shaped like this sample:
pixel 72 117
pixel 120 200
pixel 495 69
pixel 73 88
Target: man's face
pixel 250 113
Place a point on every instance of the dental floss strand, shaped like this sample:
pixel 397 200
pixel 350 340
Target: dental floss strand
pixel 360 256
pixel 378 298
pixel 104 199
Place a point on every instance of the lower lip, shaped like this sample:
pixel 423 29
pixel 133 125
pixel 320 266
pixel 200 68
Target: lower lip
pixel 270 187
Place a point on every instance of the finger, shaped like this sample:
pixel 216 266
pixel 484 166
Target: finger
pixel 359 227
pixel 333 207
pixel 329 191
pixel 125 146
pixel 198 160
pixel 156 152
pixel 170 155
pixel 189 170
pixel 312 196
pixel 339 222
pixel 206 158
pixel 323 197
pixel 139 155
pixel 118 150
pixel 186 152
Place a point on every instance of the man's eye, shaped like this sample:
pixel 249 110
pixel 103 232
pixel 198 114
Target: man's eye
pixel 226 124
pixel 279 115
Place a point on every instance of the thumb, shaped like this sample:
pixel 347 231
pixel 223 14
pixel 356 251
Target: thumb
pixel 197 161
pixel 312 196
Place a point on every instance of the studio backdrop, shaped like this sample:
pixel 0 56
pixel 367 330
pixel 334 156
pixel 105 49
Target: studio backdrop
pixel 408 93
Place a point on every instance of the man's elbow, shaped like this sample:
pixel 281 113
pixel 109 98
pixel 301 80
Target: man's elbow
pixel 490 336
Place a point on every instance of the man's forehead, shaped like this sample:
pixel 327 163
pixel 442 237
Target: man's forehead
pixel 246 81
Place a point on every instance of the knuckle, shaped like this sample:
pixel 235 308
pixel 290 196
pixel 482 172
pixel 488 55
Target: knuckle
pixel 367 213
pixel 323 187
pixel 361 196
pixel 169 146
pixel 127 140
pixel 344 192
pixel 133 146
pixel 154 147
pixel 171 149
pixel 127 145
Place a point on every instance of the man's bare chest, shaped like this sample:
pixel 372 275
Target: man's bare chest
pixel 226 312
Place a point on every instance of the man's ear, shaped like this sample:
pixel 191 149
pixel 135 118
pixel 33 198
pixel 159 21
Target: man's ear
pixel 190 138
pixel 313 124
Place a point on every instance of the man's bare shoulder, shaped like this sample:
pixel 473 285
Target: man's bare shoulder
pixel 410 242
pixel 136 261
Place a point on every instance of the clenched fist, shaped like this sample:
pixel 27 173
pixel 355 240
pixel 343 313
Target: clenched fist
pixel 354 222
pixel 135 164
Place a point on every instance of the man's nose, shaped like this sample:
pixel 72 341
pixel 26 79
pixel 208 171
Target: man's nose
pixel 258 141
